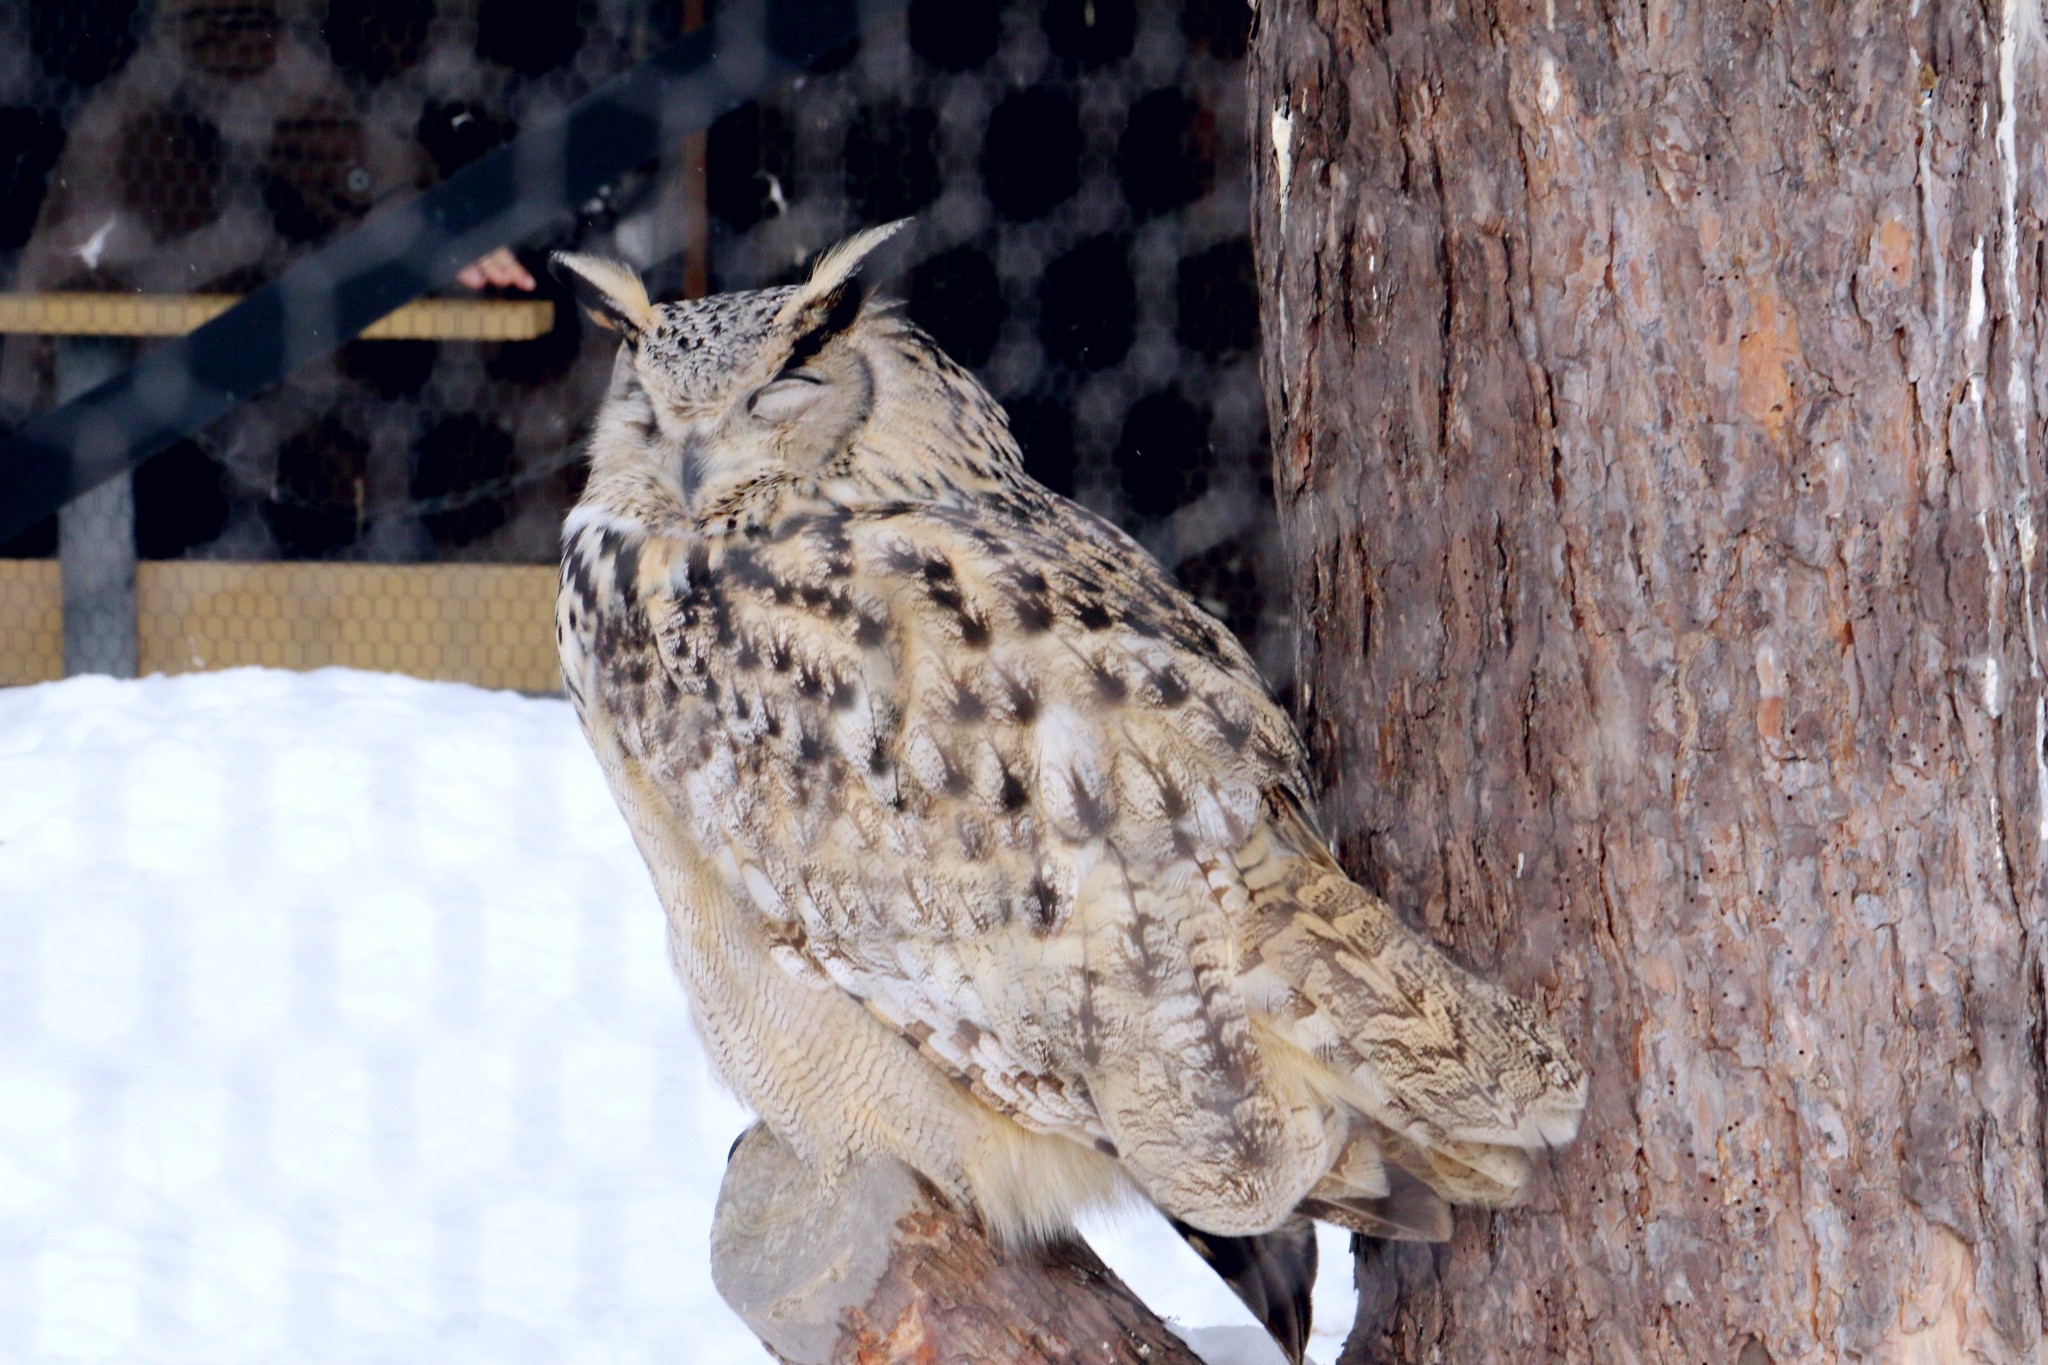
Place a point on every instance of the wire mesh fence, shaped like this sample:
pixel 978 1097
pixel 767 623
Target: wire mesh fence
pixel 335 1024
pixel 191 150
pixel 334 1021
pixel 1075 171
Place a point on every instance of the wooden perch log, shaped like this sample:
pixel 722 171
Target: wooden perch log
pixel 878 1269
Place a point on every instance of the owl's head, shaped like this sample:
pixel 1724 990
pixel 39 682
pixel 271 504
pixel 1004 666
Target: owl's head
pixel 739 396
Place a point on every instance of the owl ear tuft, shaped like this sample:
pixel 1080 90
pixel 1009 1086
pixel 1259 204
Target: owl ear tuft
pixel 831 279
pixel 609 291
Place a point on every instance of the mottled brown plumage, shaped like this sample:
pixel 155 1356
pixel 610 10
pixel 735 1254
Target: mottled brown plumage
pixel 983 847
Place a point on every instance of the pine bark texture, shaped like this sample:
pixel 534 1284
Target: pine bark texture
pixel 1658 442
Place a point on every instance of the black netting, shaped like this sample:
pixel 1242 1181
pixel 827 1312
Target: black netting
pixel 337 1003
pixel 1076 172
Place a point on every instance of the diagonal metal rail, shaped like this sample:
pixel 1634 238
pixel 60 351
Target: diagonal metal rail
pixel 328 298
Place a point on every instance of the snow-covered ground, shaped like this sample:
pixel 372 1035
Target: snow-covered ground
pixel 336 1025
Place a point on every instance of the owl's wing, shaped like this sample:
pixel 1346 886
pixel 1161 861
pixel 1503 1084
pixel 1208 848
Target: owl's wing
pixel 993 774
pixel 965 764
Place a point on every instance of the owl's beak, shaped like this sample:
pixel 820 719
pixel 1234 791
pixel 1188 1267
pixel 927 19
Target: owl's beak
pixel 690 468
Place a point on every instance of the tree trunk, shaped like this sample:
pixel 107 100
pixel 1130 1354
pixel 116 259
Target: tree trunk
pixel 1655 408
pixel 879 1270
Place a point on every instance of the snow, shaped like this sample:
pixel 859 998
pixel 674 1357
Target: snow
pixel 336 1025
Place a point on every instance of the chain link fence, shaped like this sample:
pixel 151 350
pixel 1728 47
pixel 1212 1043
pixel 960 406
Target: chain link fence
pixel 335 1021
pixel 1077 171
pixel 336 1025
pixel 1075 167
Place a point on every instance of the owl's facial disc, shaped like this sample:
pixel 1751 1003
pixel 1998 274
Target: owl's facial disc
pixel 800 418
pixel 740 395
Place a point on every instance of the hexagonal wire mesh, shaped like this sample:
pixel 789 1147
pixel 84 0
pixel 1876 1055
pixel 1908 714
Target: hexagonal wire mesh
pixel 1077 173
pixel 1076 169
pixel 199 147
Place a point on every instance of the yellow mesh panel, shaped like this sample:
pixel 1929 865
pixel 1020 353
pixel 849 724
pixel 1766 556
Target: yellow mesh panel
pixel 31 622
pixel 156 315
pixel 488 624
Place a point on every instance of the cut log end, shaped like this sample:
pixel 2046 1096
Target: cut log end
pixel 876 1268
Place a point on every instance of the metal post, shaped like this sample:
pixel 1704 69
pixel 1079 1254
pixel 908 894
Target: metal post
pixel 96 535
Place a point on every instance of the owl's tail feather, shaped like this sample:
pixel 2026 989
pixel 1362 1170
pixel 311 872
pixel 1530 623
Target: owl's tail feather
pixel 1452 1080
pixel 1410 1211
pixel 1271 1272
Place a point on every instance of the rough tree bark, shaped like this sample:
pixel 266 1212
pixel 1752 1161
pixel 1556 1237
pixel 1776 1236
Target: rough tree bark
pixel 1657 435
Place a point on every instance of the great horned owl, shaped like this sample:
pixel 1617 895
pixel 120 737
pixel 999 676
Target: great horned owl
pixel 982 846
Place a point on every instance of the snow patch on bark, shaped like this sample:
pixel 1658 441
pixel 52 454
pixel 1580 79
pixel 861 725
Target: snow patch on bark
pixel 1282 132
pixel 1994 595
pixel 1973 320
pixel 2041 765
pixel 2023 22
pixel 1283 153
pixel 2030 546
pixel 2022 28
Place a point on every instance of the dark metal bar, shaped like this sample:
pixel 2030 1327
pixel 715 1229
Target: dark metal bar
pixel 330 297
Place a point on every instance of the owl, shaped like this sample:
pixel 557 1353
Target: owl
pixel 983 847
